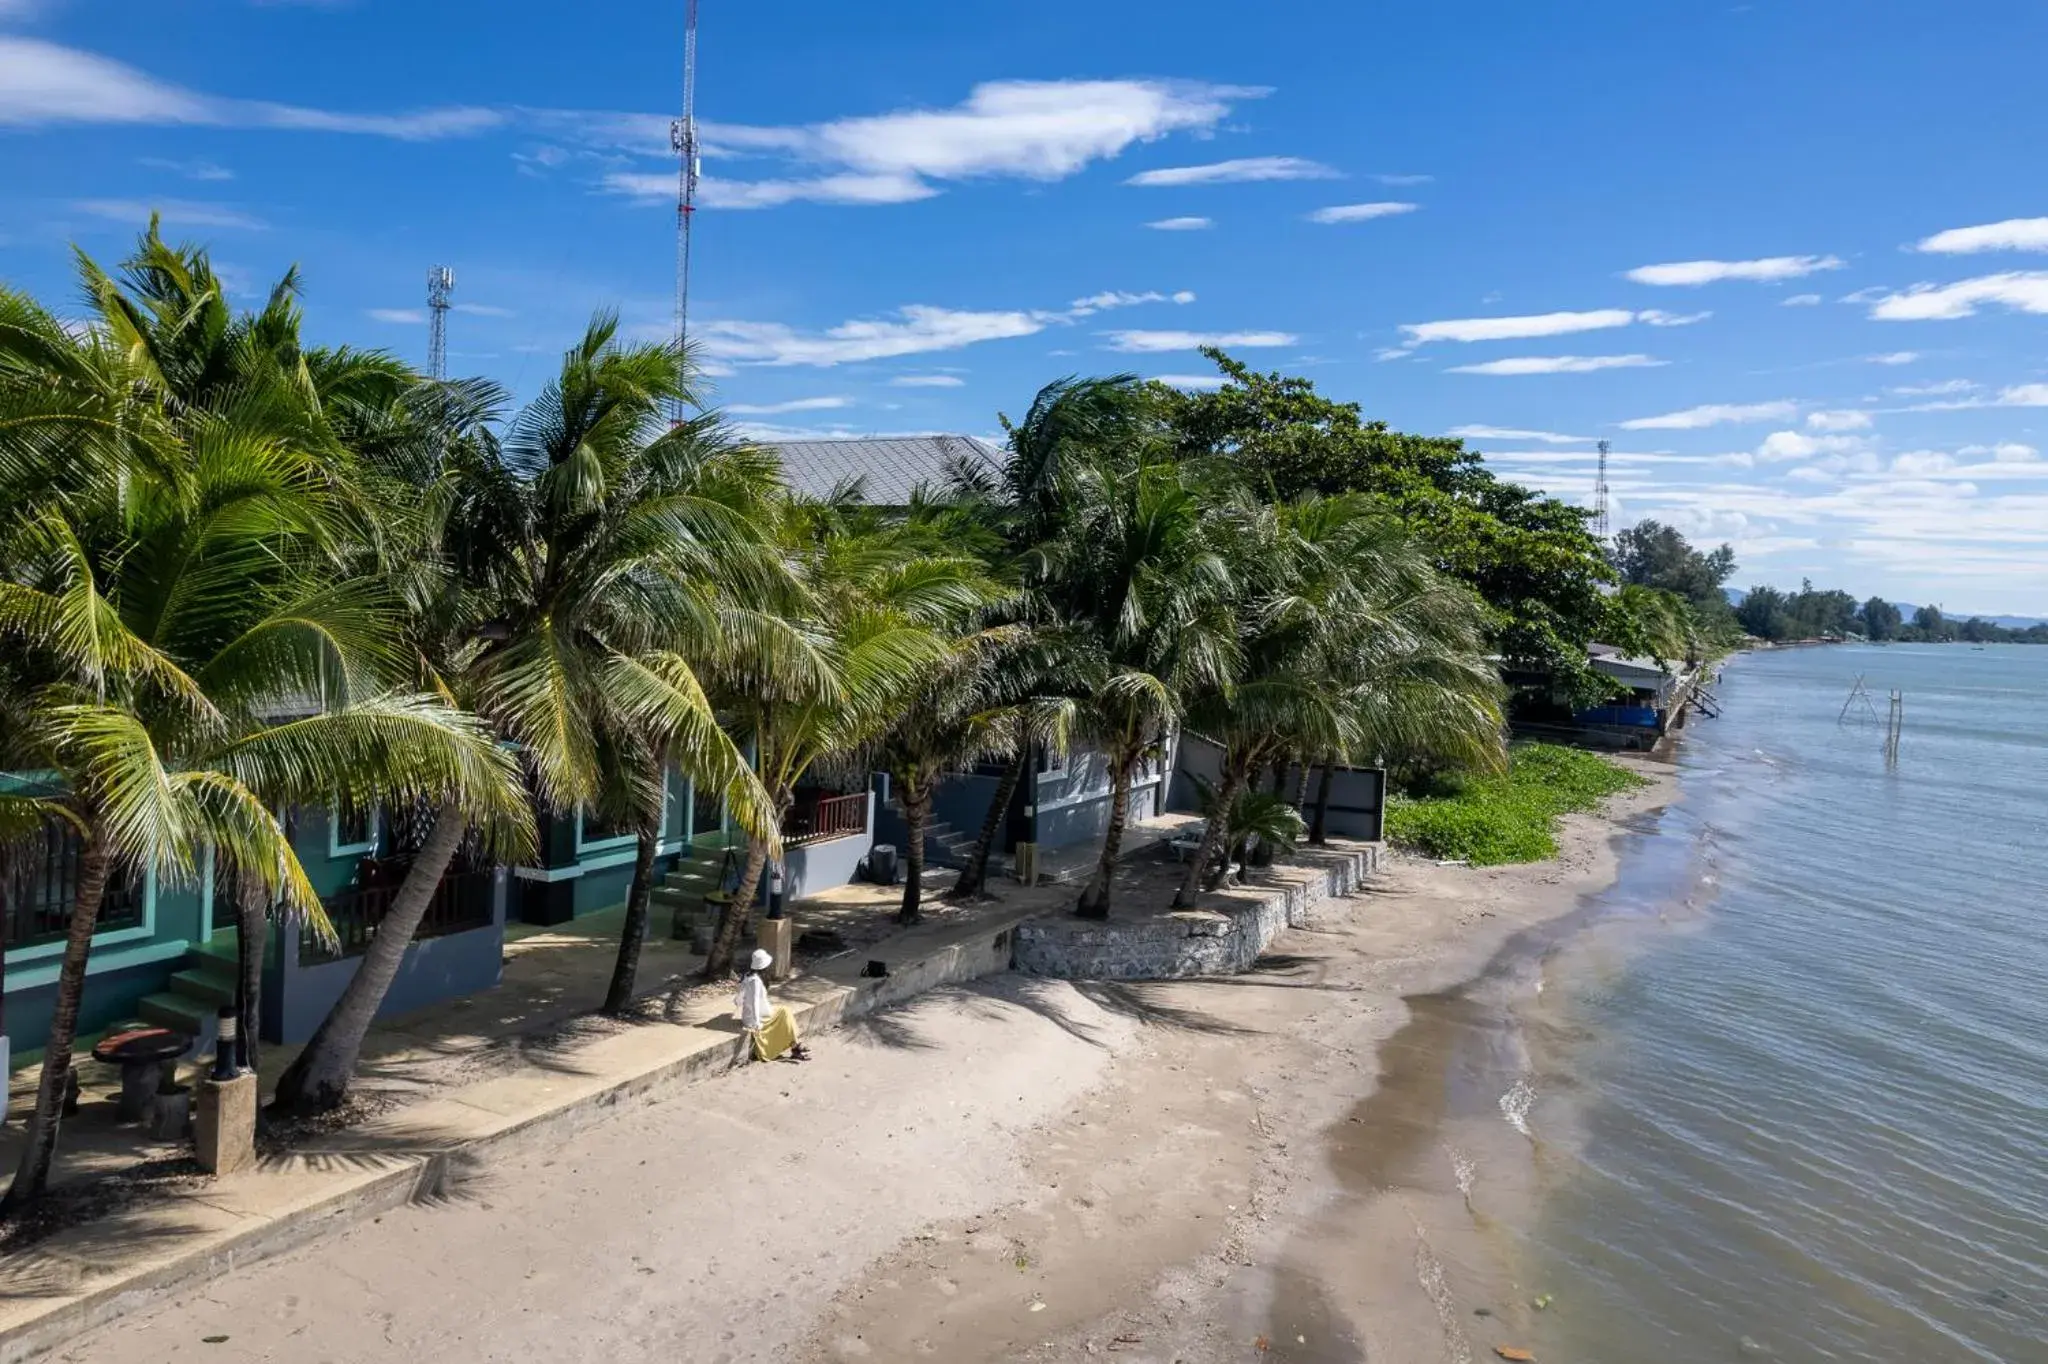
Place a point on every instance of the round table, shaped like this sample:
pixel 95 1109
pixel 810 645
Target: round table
pixel 141 1053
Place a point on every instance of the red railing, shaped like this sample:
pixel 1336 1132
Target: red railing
pixel 826 817
pixel 461 902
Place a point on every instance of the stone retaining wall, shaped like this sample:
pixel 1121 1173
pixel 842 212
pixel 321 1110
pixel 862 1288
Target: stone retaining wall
pixel 1223 937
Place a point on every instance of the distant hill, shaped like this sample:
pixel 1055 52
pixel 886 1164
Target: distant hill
pixel 1906 609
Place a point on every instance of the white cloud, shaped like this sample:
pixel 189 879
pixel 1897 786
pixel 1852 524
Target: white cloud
pixel 913 330
pixel 1767 270
pixel 2024 395
pixel 1152 342
pixel 407 316
pixel 1945 386
pixel 927 381
pixel 1784 445
pixel 1112 298
pixel 1712 414
pixel 1512 433
pixel 43 83
pixel 1199 383
pixel 1801 301
pixel 1360 213
pixel 191 170
pixel 1558 364
pixel 1896 357
pixel 824 404
pixel 1397 181
pixel 1657 317
pixel 1838 420
pixel 1243 169
pixel 1181 224
pixel 1921 462
pixel 2023 291
pixel 2014 234
pixel 1516 328
pixel 176 213
pixel 484 310
pixel 1031 130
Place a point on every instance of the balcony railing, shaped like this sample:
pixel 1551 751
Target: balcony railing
pixel 461 902
pixel 826 817
pixel 36 906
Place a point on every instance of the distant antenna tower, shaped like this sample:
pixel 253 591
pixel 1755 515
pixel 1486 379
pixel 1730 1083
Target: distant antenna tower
pixel 682 136
pixel 440 284
pixel 1600 496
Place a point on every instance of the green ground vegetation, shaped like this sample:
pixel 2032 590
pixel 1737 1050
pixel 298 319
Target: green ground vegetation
pixel 1488 820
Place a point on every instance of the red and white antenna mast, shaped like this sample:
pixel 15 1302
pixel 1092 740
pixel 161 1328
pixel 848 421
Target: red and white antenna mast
pixel 682 136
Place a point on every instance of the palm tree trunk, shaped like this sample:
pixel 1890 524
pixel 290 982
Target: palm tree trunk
pixel 917 813
pixel 1301 786
pixel 1317 830
pixel 633 933
pixel 1212 836
pixel 319 1079
pixel 94 866
pixel 252 931
pixel 1095 900
pixel 976 876
pixel 737 911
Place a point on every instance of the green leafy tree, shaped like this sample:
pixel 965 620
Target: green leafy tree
pixel 1881 619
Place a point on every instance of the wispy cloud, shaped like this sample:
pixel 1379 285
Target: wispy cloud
pixel 1516 328
pixel 2024 291
pixel 1027 130
pixel 1512 433
pixel 823 404
pixel 1944 386
pixel 1398 181
pixel 1152 342
pixel 1657 317
pixel 1243 169
pixel 1558 364
pixel 1801 301
pixel 405 316
pixel 176 213
pixel 1784 445
pixel 1894 357
pixel 1360 213
pixel 927 381
pixel 191 170
pixel 2014 234
pixel 1116 298
pixel 914 330
pixel 43 83
pixel 1181 224
pixel 1713 414
pixel 1842 419
pixel 1196 383
pixel 1769 269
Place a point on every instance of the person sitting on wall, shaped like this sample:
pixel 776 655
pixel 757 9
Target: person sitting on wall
pixel 773 1031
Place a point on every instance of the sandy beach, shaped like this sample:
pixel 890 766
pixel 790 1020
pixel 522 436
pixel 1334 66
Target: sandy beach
pixel 1020 1170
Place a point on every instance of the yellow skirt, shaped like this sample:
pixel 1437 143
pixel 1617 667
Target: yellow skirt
pixel 776 1036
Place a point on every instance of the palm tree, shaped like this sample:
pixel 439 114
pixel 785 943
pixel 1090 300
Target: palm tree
pixel 1344 629
pixel 825 677
pixel 1142 579
pixel 193 662
pixel 571 593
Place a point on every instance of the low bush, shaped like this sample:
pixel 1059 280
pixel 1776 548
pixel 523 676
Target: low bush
pixel 1511 818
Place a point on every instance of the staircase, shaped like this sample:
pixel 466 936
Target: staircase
pixel 946 846
pixel 204 982
pixel 696 874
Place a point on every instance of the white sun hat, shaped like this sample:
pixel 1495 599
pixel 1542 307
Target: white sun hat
pixel 761 960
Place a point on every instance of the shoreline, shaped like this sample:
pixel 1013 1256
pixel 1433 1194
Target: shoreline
pixel 1244 1171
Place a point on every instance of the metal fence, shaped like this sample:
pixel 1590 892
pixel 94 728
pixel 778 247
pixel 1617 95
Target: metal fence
pixel 461 902
pixel 826 817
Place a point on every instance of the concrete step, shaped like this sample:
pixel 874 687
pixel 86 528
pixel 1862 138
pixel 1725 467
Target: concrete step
pixel 210 988
pixel 691 882
pixel 181 1012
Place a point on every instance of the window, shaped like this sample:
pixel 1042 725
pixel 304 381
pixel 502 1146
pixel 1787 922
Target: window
pixel 39 908
pixel 593 827
pixel 352 831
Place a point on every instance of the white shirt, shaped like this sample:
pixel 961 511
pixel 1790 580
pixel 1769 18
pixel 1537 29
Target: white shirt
pixel 753 1002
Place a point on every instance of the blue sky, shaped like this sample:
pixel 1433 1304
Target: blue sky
pixel 1790 259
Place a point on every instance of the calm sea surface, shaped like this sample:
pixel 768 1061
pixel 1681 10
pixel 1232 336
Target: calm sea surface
pixel 1790 1087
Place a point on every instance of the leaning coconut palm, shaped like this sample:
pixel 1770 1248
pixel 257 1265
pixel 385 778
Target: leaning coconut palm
pixel 194 668
pixel 825 678
pixel 565 585
pixel 1333 595
pixel 1141 579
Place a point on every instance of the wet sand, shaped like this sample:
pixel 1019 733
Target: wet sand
pixel 1279 1165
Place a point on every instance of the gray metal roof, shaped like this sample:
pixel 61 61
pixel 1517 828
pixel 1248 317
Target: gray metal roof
pixel 889 466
